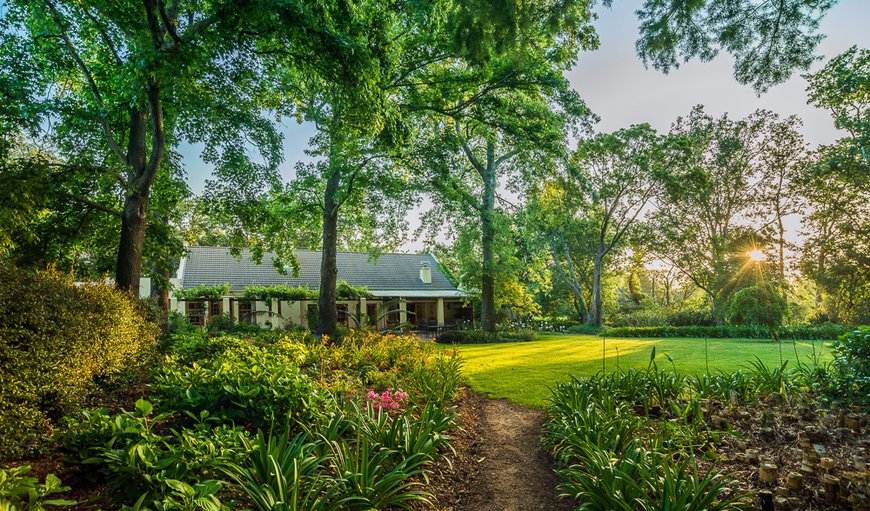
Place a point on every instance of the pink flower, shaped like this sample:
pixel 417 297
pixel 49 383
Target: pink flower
pixel 391 399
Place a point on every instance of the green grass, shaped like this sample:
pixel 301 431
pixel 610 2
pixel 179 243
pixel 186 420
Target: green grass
pixel 523 371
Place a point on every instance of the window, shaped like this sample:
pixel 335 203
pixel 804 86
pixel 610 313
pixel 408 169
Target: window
pixel 195 312
pixel 246 312
pixel 372 313
pixel 393 316
pixel 311 315
pixel 215 308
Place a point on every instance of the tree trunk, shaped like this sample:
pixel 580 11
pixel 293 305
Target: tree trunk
pixel 487 211
pixel 596 303
pixel 781 243
pixel 327 311
pixel 134 219
pixel 141 174
pixel 577 309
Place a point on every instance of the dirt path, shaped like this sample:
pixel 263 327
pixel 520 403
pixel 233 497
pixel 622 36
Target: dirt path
pixel 500 466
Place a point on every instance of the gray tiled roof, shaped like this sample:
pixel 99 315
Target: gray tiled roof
pixel 215 265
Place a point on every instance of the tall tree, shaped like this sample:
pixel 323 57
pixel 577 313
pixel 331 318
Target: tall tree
pixel 555 212
pixel 836 253
pixel 843 88
pixel 618 170
pixel 126 81
pixel 782 154
pixel 352 197
pixel 706 191
pixel 510 135
pixel 430 65
pixel 593 210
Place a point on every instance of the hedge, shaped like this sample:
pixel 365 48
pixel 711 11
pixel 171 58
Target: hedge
pixel 481 337
pixel 801 332
pixel 56 339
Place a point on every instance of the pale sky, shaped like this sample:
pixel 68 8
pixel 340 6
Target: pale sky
pixel 617 87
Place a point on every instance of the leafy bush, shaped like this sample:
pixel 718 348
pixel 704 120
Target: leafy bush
pixel 20 492
pixel 806 332
pixel 246 384
pixel 584 328
pixel 135 451
pixel 280 472
pixel 758 305
pixel 848 380
pixel 481 336
pixel 349 456
pixel 658 316
pixel 179 324
pixel 370 481
pixel 419 431
pixel 57 339
pixel 436 379
pixel 221 323
pixel 361 459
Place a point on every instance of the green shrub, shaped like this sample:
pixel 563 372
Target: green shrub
pixel 584 328
pixel 418 431
pixel 848 380
pixel 20 492
pixel 136 451
pixel 805 332
pixel 246 384
pixel 758 305
pixel 56 340
pixel 594 431
pixel 481 336
pixel 371 481
pixel 658 316
pixel 278 472
pixel 179 324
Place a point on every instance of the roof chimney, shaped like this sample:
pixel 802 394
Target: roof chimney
pixel 425 273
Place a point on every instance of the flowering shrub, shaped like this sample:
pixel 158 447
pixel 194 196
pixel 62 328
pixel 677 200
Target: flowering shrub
pixel 389 399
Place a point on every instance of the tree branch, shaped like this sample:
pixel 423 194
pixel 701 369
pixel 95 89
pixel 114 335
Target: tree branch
pixel 506 156
pixel 104 34
pixel 92 204
pixel 467 150
pixel 167 19
pixel 158 135
pixel 107 130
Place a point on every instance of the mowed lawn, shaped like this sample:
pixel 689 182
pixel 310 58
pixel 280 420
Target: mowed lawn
pixel 523 371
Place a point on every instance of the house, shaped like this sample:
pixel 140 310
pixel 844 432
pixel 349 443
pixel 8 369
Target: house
pixel 402 289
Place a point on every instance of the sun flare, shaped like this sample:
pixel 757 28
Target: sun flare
pixel 756 255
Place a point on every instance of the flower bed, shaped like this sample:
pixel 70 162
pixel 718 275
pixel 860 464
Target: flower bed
pixel 716 442
pixel 234 423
